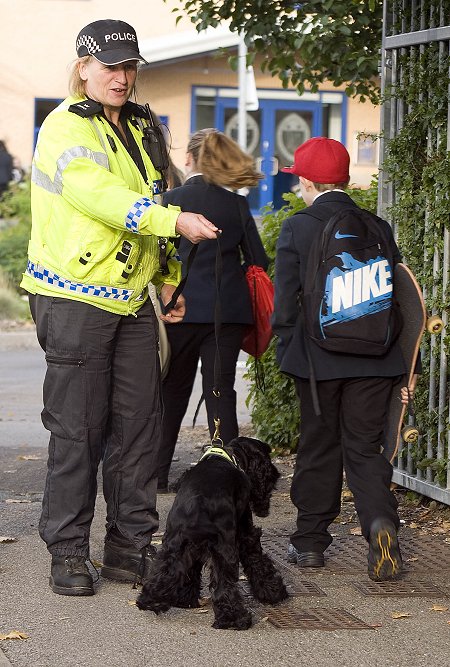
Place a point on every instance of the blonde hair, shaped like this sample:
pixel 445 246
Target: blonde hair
pixel 322 187
pixel 77 87
pixel 221 160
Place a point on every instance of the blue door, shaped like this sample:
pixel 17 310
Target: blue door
pixel 273 134
pixel 42 107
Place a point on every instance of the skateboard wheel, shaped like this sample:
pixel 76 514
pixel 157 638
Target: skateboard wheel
pixel 410 434
pixel 434 324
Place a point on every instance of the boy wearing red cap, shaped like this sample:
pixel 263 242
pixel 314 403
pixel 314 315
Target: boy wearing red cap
pixel 353 390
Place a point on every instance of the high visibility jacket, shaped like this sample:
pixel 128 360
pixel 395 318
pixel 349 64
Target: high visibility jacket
pixel 95 223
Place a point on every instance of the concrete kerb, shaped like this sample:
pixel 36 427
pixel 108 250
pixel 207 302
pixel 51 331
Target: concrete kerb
pixel 4 662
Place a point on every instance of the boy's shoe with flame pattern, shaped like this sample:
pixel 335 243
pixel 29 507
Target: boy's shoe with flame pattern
pixel 384 560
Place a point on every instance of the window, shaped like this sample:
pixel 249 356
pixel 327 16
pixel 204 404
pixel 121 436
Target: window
pixel 42 108
pixel 366 149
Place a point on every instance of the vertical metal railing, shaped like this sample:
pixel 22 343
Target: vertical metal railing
pixel 406 36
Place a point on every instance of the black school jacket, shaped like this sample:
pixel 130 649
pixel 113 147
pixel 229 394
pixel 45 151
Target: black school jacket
pixel 296 236
pixel 221 207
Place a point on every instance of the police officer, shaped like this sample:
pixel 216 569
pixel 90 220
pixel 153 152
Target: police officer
pixel 93 250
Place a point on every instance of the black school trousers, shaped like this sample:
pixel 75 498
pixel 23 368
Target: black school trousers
pixel 190 342
pixel 347 435
pixel 102 398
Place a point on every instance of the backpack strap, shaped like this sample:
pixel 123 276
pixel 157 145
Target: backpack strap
pixel 312 374
pixel 323 212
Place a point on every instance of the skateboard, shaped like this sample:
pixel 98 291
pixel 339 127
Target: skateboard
pixel 415 322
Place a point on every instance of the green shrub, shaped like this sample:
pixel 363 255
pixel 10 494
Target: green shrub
pixel 14 236
pixel 274 405
pixel 12 306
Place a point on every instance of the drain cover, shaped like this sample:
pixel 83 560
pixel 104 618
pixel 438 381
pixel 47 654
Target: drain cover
pixel 316 619
pixel 348 553
pixel 295 589
pixel 404 589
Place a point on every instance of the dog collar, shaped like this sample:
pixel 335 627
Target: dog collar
pixel 219 451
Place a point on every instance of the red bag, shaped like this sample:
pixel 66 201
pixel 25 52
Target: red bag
pixel 258 335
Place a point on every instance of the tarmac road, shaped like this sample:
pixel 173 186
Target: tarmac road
pixel 108 629
pixel 22 369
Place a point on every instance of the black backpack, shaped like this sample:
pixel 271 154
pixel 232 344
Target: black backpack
pixel 347 300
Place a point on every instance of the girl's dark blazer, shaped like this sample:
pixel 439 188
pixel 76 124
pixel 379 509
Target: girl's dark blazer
pixel 296 236
pixel 221 207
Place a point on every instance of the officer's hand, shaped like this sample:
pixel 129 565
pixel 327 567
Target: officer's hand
pixel 195 227
pixel 178 311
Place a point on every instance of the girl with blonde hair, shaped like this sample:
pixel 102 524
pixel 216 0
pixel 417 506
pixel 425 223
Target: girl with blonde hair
pixel 215 167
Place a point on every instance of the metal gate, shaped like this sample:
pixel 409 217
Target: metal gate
pixel 427 23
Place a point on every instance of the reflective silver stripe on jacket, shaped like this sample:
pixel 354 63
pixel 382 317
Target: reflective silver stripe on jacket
pixel 99 135
pixel 44 181
pixel 41 273
pixel 133 216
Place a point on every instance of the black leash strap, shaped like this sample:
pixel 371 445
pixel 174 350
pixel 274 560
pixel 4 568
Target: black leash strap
pixel 165 309
pixel 162 243
pixel 215 440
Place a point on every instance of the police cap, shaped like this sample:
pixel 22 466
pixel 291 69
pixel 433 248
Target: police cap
pixel 109 41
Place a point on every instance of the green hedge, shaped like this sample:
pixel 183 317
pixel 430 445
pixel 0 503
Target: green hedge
pixel 15 213
pixel 418 165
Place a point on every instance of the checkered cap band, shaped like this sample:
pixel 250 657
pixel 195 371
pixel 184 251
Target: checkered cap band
pixel 39 272
pixel 136 211
pixel 109 41
pixel 89 42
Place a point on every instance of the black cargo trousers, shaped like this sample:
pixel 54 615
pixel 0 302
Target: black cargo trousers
pixel 102 398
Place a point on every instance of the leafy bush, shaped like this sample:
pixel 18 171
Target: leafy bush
pixel 274 405
pixel 16 214
pixel 12 306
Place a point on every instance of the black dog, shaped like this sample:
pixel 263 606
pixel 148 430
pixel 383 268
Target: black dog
pixel 211 521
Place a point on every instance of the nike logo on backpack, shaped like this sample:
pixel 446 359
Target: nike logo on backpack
pixel 338 235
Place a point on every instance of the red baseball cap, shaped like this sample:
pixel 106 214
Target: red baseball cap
pixel 321 160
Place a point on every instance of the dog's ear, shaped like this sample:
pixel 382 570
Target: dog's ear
pixel 175 487
pixel 263 476
pixel 262 446
pixel 251 445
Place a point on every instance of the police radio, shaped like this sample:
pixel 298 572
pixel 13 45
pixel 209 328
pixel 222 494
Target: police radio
pixel 155 146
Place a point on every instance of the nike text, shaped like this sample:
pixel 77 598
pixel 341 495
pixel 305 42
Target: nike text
pixel 360 285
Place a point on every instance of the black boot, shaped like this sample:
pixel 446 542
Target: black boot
pixel 70 576
pixel 122 561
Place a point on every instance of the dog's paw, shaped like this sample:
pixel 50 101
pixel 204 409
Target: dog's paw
pixel 271 593
pixel 243 622
pixel 151 605
pixel 274 597
pixel 187 603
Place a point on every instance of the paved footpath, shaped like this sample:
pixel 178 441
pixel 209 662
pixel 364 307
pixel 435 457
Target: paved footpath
pixel 328 621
